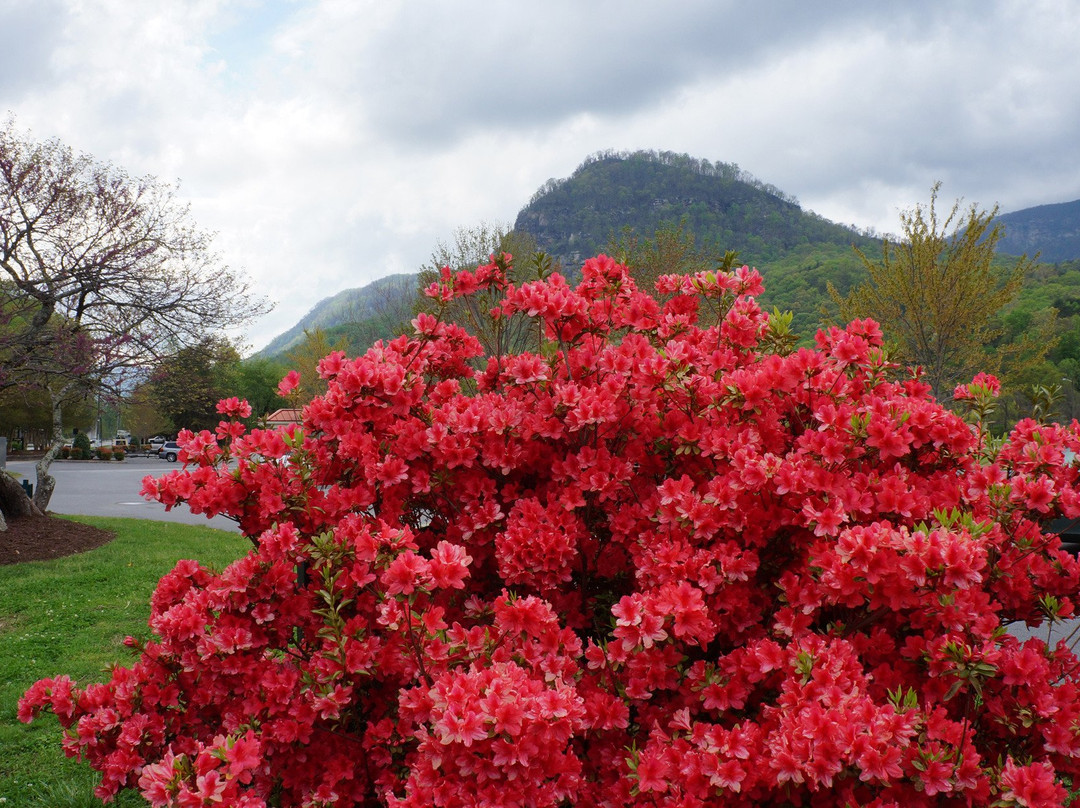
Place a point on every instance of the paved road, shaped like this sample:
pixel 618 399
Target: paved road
pixel 97 488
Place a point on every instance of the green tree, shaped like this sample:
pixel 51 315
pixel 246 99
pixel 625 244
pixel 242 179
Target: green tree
pixel 936 293
pixel 186 387
pixel 80 447
pixel 141 415
pixel 255 379
pixel 26 415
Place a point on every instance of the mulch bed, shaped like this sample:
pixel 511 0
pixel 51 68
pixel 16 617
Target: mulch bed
pixel 39 538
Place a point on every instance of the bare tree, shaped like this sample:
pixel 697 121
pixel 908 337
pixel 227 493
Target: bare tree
pixel 472 247
pixel 101 274
pixel 672 250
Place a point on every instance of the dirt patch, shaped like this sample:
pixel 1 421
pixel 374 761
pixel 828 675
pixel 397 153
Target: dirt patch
pixel 39 538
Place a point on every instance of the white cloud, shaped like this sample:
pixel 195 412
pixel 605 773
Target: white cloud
pixel 330 142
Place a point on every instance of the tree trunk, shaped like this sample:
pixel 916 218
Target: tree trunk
pixel 45 482
pixel 14 502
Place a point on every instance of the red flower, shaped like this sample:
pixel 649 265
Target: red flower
pixel 234 408
pixel 289 383
pixel 406 573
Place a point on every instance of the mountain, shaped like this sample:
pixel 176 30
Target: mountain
pixel 576 217
pixel 1052 231
pixel 379 305
pixel 797 251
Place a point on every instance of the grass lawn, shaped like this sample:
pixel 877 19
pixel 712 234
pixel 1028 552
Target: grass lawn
pixel 71 616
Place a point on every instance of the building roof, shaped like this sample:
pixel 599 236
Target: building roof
pixel 286 415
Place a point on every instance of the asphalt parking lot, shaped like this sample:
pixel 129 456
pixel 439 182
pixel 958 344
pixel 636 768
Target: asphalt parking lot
pixel 99 488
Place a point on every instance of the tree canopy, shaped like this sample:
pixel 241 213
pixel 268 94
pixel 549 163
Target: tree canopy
pixel 101 274
pixel 86 247
pixel 673 249
pixel 186 387
pixel 305 359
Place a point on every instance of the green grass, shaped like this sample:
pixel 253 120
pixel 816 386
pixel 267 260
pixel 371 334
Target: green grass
pixel 71 616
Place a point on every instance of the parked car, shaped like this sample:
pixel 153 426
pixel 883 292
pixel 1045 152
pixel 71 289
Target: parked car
pixel 156 443
pixel 170 450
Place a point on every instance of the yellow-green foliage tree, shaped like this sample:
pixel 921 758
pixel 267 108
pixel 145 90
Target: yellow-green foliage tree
pixel 305 358
pixel 936 293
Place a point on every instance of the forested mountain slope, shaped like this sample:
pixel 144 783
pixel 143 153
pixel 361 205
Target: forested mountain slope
pixel 576 217
pixel 378 303
pixel 798 252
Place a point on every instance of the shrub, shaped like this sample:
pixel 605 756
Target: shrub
pixel 663 561
pixel 118 454
pixel 104 453
pixel 65 452
pixel 80 447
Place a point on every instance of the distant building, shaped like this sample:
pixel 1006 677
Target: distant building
pixel 284 417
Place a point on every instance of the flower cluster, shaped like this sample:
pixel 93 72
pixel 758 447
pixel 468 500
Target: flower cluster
pixel 655 563
pixel 982 384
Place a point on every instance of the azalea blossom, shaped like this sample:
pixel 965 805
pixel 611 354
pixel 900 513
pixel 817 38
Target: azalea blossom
pixel 650 563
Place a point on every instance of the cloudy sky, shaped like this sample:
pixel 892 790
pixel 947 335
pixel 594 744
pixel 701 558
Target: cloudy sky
pixel 332 142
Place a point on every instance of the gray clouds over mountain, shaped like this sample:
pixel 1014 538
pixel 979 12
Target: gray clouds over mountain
pixel 330 142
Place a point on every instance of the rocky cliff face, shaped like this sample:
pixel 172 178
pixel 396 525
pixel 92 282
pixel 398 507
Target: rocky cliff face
pixel 1052 231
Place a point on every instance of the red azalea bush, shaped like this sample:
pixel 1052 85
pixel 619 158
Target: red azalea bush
pixel 661 562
